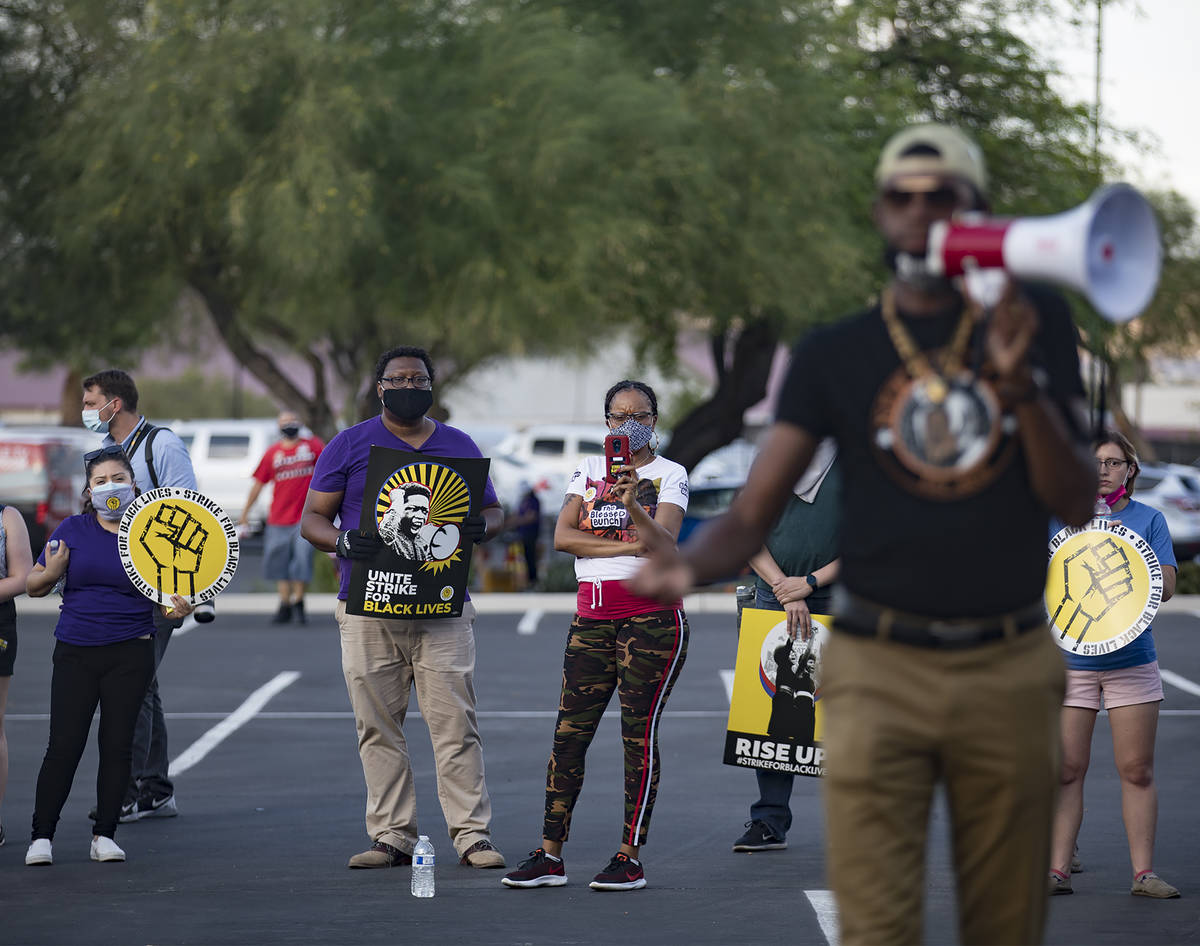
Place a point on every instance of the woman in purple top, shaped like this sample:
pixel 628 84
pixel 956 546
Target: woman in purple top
pixel 104 655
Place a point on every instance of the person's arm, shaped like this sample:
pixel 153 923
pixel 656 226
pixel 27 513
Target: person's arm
pixel 721 546
pixel 316 521
pixel 568 537
pixel 43 578
pixel 791 590
pixel 255 489
pixel 1061 469
pixel 1169 576
pixel 19 555
pixel 493 517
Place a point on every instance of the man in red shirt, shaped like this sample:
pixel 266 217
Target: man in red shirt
pixel 287 557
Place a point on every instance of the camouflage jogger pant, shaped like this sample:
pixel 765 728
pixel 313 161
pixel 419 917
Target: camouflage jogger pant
pixel 640 657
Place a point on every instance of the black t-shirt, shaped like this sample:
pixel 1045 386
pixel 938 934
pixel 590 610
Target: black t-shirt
pixel 967 539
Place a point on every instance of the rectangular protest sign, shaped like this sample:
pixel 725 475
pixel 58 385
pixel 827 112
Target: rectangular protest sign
pixel 775 716
pixel 417 503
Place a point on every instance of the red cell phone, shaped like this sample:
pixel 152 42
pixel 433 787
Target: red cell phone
pixel 616 455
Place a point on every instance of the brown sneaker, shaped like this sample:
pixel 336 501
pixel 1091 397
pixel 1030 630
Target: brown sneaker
pixel 482 854
pixel 1151 885
pixel 1059 883
pixel 380 855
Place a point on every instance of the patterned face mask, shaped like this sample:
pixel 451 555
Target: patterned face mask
pixel 638 434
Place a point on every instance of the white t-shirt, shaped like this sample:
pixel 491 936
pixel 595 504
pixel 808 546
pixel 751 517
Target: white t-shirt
pixel 602 514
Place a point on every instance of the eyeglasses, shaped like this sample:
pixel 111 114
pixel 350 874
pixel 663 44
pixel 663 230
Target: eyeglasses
pixel 421 381
pixel 108 450
pixel 1110 464
pixel 941 198
pixel 641 417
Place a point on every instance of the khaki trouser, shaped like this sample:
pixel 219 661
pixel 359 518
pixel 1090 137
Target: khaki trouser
pixel 381 661
pixel 984 721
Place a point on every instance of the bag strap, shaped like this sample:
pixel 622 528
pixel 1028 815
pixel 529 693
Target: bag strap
pixel 147 433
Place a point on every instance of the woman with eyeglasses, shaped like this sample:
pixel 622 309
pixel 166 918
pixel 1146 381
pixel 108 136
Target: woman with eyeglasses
pixel 618 642
pixel 1129 682
pixel 104 655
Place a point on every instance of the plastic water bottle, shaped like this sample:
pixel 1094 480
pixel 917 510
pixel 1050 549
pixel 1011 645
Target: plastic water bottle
pixel 422 868
pixel 1101 510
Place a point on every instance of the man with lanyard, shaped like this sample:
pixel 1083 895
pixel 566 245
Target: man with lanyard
pixel 959 434
pixel 384 659
pixel 159 458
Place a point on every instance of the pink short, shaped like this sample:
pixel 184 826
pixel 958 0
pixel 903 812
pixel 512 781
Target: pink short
pixel 1123 687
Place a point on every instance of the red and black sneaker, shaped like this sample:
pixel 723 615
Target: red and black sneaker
pixel 622 873
pixel 538 870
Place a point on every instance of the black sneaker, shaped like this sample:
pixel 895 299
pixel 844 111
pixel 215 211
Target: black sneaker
pixel 150 807
pixel 622 873
pixel 283 615
pixel 538 870
pixel 129 813
pixel 298 611
pixel 1 835
pixel 759 837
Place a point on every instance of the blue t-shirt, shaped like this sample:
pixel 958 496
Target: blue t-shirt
pixel 342 468
pixel 100 604
pixel 1151 526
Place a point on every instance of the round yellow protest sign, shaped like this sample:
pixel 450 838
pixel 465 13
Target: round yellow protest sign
pixel 1103 587
pixel 177 541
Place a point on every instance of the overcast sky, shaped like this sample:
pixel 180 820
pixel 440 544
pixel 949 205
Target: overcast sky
pixel 1150 83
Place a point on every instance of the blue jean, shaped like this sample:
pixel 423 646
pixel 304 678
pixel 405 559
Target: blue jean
pixel 774 788
pixel 148 772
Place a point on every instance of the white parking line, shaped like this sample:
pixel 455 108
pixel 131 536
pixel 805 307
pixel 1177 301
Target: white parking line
pixel 826 910
pixel 529 621
pixel 727 680
pixel 1182 683
pixel 188 624
pixel 230 724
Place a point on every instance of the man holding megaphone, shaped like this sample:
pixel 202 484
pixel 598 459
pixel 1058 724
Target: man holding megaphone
pixel 960 428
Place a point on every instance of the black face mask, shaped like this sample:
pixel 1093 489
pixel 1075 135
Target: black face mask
pixel 290 431
pixel 407 403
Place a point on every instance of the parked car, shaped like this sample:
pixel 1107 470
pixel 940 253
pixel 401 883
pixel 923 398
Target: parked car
pixel 1174 490
pixel 225 453
pixel 41 475
pixel 546 455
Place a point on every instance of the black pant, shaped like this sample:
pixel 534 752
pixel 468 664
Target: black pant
pixel 113 676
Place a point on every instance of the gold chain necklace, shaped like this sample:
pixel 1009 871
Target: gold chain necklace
pixel 915 361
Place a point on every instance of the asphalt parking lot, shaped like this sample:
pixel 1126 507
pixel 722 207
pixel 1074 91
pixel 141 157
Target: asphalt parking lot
pixel 270 811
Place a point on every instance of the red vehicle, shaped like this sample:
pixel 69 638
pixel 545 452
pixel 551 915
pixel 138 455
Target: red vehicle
pixel 41 474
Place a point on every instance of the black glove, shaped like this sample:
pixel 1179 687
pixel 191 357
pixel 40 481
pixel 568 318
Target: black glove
pixel 358 543
pixel 475 528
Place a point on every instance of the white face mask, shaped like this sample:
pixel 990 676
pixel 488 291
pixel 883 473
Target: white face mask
pixel 112 499
pixel 91 420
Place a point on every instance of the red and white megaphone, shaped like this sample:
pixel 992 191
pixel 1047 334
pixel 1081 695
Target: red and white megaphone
pixel 1107 248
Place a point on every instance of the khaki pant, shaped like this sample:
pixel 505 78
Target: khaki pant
pixel 381 661
pixel 983 721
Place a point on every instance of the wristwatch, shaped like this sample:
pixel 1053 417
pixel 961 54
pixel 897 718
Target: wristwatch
pixel 812 581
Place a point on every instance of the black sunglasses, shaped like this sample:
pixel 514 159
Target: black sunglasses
pixel 108 450
pixel 942 198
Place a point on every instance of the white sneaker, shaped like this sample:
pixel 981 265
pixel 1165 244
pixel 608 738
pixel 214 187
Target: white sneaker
pixel 40 852
pixel 106 849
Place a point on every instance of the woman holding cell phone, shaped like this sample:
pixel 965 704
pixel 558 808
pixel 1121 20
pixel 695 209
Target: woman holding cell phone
pixel 617 507
pixel 104 655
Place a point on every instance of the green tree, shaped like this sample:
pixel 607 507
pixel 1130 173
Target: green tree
pixel 335 180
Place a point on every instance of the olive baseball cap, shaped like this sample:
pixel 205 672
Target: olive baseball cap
pixel 929 152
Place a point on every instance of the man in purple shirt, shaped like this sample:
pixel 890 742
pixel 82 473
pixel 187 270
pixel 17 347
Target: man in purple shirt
pixel 382 659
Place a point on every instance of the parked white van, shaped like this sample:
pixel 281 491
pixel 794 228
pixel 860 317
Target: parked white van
pixel 225 453
pixel 547 454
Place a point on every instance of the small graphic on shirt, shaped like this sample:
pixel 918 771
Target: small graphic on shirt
pixel 945 440
pixel 604 515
